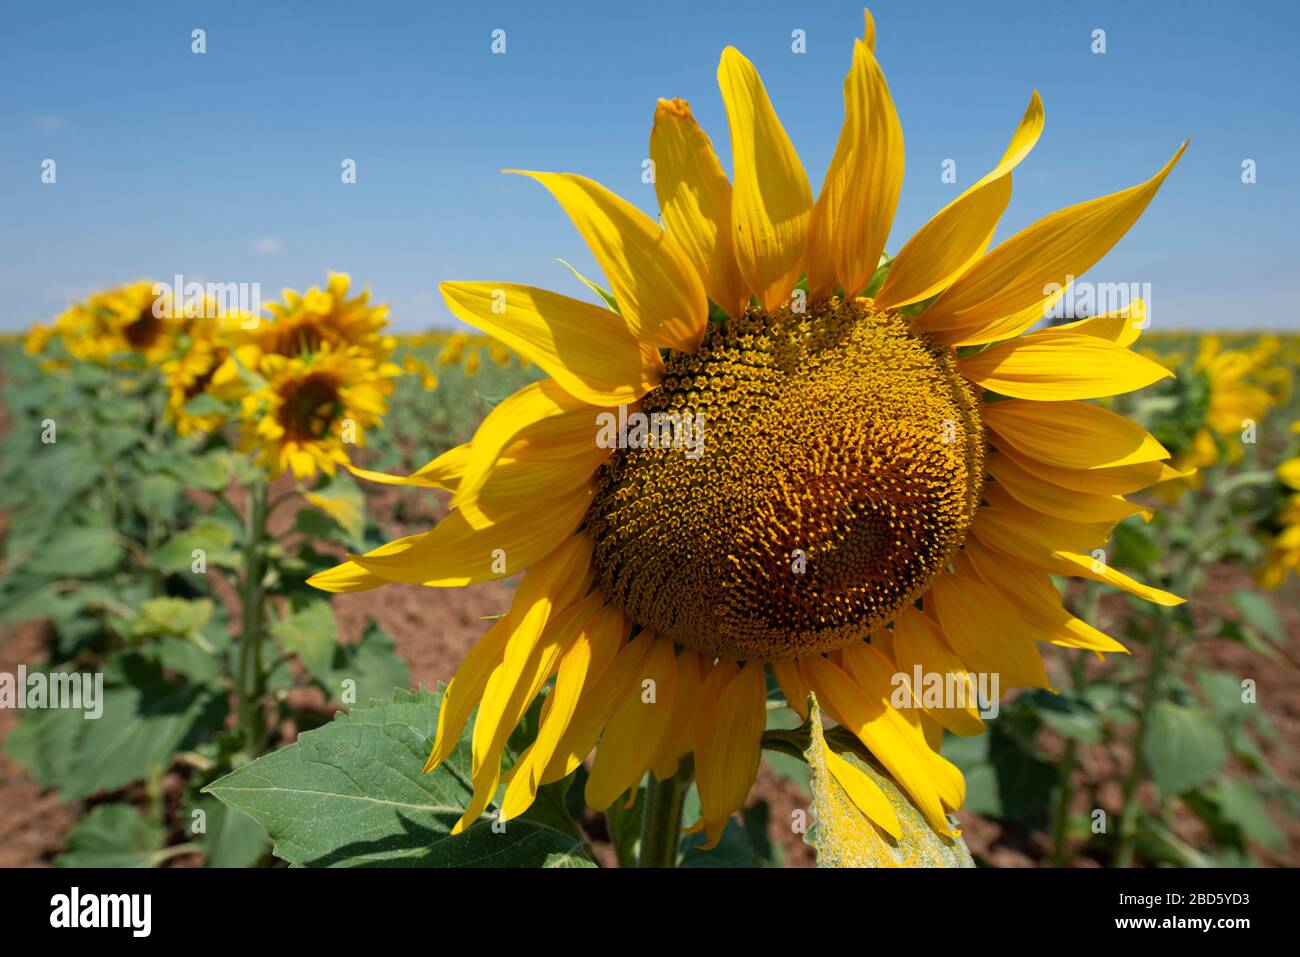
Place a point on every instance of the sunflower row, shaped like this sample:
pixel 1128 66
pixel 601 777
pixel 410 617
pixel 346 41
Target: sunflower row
pixel 300 383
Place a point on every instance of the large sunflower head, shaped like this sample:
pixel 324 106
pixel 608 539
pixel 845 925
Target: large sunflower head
pixel 779 451
pixel 312 407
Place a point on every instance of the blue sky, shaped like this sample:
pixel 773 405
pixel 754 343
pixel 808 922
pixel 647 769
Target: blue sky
pixel 225 166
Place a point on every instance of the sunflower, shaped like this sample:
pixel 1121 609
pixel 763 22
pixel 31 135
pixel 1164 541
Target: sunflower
pixel 890 470
pixel 303 322
pixel 204 366
pixel 453 350
pixel 1283 555
pixel 312 407
pixel 119 321
pixel 1224 399
pixel 415 366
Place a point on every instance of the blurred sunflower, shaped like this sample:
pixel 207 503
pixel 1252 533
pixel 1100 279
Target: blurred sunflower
pixel 1224 400
pixel 860 505
pixel 1283 556
pixel 312 407
pixel 126 319
pixel 453 350
pixel 203 366
pixel 414 365
pixel 303 322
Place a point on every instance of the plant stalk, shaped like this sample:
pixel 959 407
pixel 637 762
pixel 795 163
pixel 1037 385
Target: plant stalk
pixel 661 822
pixel 248 685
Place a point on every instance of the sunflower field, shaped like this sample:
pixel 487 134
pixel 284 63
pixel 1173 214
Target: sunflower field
pixel 785 542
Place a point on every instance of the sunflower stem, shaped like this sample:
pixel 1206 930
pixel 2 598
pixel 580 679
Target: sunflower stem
pixel 661 821
pixel 249 682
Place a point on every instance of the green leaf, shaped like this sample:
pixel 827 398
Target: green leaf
pixel 734 849
pixel 231 838
pixel 113 835
pixel 78 552
pixel 214 538
pixel 1259 614
pixel 205 404
pixel 1071 718
pixel 1240 805
pixel 144 722
pixel 43 743
pixel 624 827
pixel 178 617
pixel 350 794
pixel 311 634
pixel 371 668
pixel 1184 747
pixel 341 500
pixel 211 472
pixel 843 836
pixel 158 494
pixel 1226 696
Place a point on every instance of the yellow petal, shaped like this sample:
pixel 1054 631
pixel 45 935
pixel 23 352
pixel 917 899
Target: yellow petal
pixel 995 529
pixel 864 793
pixel 1036 599
pixel 1054 366
pixel 957 236
pixel 1112 480
pixel 855 208
pixel 727 748
pixel 875 675
pixel 792 684
pixel 869 31
pixel 535 481
pixel 916 642
pixel 1289 473
pixel 1053 500
pixel 657 290
pixel 443 472
pixel 1122 327
pixel 465 689
pixel 345 578
pixel 984 629
pixel 1071 435
pixel 455 553
pixel 1050 530
pixel 899 746
pixel 539 414
pixel 633 735
pixel 586 349
pixel 679 737
pixel 1046 256
pixel 544 620
pixel 580 666
pixel 695 201
pixel 594 709
pixel 771 200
